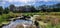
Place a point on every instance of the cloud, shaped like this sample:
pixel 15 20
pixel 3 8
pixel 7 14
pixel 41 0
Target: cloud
pixel 2 3
pixel 20 1
pixel 24 2
pixel 28 1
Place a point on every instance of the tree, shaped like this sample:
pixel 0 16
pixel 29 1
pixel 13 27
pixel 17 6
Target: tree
pixel 43 8
pixel 33 9
pixel 6 10
pixel 56 7
pixel 29 8
pixel 1 10
pixel 11 7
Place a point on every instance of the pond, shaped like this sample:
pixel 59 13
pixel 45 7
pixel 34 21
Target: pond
pixel 13 24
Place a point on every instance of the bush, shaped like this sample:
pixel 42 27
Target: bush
pixel 11 15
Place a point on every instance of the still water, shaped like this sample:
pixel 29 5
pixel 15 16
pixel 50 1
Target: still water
pixel 12 24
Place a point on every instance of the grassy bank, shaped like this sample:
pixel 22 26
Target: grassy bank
pixel 43 16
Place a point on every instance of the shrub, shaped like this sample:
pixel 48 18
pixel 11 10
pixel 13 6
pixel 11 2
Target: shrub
pixel 54 21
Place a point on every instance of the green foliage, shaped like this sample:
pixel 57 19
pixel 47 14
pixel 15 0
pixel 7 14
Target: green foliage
pixel 58 26
pixel 1 20
pixel 6 10
pixel 1 10
pixel 49 26
pixel 5 17
pixel 8 15
pixel 11 14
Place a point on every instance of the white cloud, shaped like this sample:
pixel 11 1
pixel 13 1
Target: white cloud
pixel 29 0
pixel 10 0
pixel 24 2
pixel 46 0
pixel 2 3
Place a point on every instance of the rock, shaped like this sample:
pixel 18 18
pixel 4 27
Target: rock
pixel 37 17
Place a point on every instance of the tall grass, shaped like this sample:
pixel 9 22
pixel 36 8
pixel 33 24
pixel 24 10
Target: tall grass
pixel 5 17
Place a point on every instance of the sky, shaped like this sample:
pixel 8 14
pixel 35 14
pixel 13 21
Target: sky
pixel 6 3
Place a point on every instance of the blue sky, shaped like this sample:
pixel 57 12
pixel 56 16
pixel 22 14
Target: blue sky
pixel 6 3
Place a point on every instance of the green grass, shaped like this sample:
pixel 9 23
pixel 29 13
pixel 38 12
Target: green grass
pixel 4 17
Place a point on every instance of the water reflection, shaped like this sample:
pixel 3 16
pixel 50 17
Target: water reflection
pixel 13 24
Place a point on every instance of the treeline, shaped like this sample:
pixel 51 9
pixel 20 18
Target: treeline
pixel 4 11
pixel 25 8
pixel 28 8
pixel 50 8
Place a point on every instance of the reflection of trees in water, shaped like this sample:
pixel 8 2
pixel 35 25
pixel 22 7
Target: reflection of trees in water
pixel 23 22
